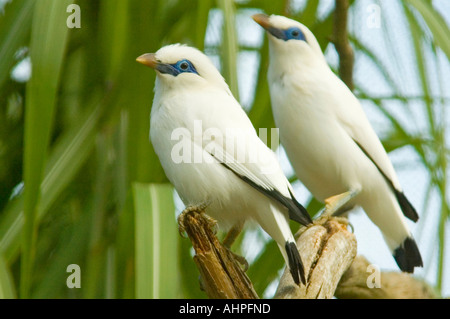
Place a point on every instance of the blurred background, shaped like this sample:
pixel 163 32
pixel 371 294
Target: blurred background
pixel 80 183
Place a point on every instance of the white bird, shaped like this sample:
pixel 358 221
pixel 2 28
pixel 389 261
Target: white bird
pixel 329 141
pixel 211 153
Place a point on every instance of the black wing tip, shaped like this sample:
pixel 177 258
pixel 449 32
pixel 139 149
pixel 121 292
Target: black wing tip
pixel 407 208
pixel 295 263
pixel 300 216
pixel 299 213
pixel 407 255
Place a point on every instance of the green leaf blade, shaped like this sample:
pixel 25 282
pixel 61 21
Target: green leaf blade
pixel 155 241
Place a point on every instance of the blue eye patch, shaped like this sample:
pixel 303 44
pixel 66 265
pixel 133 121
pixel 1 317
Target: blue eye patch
pixel 182 66
pixel 293 33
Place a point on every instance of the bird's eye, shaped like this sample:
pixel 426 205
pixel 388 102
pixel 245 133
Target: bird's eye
pixel 294 33
pixel 184 66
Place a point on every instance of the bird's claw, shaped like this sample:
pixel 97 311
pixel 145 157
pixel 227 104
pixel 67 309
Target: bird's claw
pixel 240 259
pixel 199 209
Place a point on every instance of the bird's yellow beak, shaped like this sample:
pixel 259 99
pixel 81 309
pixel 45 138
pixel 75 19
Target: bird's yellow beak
pixel 262 19
pixel 148 59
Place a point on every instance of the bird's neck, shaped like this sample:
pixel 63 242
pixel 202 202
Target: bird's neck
pixel 297 66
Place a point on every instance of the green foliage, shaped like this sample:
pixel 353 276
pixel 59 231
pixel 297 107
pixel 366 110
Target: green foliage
pixel 47 46
pixel 76 134
pixel 156 264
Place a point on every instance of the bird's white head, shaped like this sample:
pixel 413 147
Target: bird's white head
pixel 289 40
pixel 178 65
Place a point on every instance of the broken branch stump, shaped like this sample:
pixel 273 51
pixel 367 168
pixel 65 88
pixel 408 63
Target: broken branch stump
pixel 221 276
pixel 327 250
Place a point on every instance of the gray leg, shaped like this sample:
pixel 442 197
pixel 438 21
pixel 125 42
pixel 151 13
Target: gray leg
pixel 230 238
pixel 232 234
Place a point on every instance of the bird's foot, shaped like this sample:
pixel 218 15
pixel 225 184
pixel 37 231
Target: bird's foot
pixel 240 259
pixel 335 203
pixel 194 209
pixel 230 238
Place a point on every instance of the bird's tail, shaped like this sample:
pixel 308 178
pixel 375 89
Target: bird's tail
pixel 405 252
pixel 407 255
pixel 294 263
pixel 275 222
pixel 386 213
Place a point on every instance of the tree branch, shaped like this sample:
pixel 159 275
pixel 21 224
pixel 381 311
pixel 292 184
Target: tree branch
pixel 327 250
pixel 341 43
pixel 392 285
pixel 328 253
pixel 221 276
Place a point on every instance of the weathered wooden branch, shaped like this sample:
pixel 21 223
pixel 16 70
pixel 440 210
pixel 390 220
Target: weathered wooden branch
pixel 341 43
pixel 392 285
pixel 221 275
pixel 327 250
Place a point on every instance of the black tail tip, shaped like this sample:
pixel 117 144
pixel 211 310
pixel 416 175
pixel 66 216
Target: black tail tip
pixel 295 263
pixel 407 255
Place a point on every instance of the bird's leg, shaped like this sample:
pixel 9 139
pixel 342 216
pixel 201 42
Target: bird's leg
pixel 334 207
pixel 200 209
pixel 334 203
pixel 230 238
pixel 232 234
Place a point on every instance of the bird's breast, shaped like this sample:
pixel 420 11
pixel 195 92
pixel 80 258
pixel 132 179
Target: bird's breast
pixel 322 154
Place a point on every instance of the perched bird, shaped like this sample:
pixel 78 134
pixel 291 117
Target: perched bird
pixel 211 153
pixel 329 141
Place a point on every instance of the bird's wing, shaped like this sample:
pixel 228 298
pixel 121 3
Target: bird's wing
pixel 355 123
pixel 265 176
pixel 242 152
